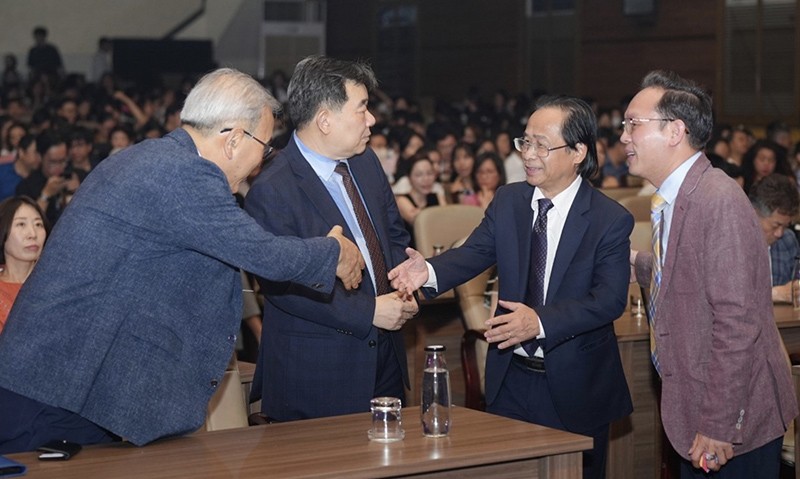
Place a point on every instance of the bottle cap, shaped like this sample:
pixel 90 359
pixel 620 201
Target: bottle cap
pixel 435 348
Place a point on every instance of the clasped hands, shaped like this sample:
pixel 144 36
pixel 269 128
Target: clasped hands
pixel 520 324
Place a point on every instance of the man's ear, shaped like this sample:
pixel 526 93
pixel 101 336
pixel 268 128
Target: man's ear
pixel 231 142
pixel 579 152
pixel 678 132
pixel 323 120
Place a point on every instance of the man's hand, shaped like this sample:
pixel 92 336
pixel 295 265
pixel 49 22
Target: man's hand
pixel 710 453
pixel 782 293
pixel 392 311
pixel 53 186
pixel 351 263
pixel 510 329
pixel 411 274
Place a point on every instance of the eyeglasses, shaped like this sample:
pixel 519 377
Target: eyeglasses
pixel 267 149
pixel 629 123
pixel 522 145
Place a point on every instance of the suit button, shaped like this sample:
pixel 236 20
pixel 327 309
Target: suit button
pixel 214 383
pixel 372 343
pixel 232 338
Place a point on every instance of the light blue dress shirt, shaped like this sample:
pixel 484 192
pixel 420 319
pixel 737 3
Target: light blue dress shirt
pixel 324 168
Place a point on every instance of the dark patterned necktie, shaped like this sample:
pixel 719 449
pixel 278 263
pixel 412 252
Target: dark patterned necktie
pixel 535 294
pixel 367 229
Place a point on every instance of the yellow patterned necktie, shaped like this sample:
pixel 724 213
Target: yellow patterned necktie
pixel 657 205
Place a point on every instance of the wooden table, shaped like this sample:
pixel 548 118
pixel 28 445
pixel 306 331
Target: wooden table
pixel 480 445
pixel 636 441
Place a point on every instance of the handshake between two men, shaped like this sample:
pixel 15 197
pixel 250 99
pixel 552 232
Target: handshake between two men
pixel 392 310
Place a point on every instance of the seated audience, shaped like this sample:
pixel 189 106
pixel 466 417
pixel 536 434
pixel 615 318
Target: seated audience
pixel 616 164
pixel 10 141
pixel 24 231
pixel 379 143
pixel 762 159
pixel 512 162
pixel 741 139
pixel 779 132
pixel 80 150
pixel 487 176
pixel 422 195
pixel 54 183
pixel 409 144
pixel 27 161
pixel 462 187
pixel 776 201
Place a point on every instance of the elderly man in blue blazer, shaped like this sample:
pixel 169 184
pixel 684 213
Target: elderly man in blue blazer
pixel 561 249
pixel 128 321
pixel 325 356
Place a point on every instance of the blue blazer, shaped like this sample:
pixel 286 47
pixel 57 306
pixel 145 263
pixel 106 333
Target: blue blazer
pixel 130 316
pixel 587 292
pixel 318 353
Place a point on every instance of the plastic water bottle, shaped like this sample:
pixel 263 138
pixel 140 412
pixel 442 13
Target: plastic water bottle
pixel 796 284
pixel 435 404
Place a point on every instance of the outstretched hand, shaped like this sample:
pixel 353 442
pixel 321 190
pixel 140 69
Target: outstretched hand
pixel 411 274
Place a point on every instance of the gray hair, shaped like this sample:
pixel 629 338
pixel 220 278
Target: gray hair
pixel 226 98
pixel 319 81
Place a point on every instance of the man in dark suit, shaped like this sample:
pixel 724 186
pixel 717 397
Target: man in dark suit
pixel 561 249
pixel 127 323
pixel 325 356
pixel 726 389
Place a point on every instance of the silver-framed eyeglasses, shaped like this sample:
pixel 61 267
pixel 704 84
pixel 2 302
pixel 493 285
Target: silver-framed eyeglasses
pixel 629 123
pixel 522 145
pixel 267 149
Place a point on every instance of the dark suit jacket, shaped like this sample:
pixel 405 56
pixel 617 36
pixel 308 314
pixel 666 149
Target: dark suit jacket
pixel 130 316
pixel 318 353
pixel 587 292
pixel 724 369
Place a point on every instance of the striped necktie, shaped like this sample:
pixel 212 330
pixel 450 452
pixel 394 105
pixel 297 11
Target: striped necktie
pixel 367 229
pixel 657 205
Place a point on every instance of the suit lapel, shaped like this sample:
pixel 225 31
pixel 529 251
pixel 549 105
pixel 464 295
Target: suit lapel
pixel 523 214
pixel 571 237
pixel 318 196
pixel 679 212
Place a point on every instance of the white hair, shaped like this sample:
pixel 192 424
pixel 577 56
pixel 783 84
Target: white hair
pixel 226 98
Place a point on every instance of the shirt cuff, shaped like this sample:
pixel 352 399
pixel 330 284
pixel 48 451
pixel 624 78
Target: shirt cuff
pixel 541 334
pixel 432 282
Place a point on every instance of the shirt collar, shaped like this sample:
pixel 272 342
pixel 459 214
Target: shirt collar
pixel 322 165
pixel 669 189
pixel 562 202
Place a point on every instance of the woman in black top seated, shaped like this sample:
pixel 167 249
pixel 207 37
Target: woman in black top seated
pixel 422 177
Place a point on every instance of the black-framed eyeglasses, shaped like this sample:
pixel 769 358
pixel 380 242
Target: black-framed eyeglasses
pixel 267 148
pixel 522 145
pixel 629 123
